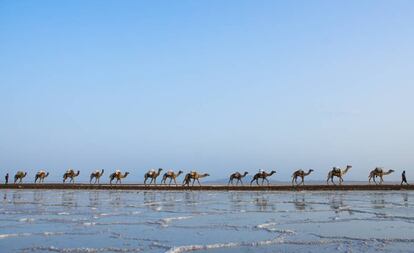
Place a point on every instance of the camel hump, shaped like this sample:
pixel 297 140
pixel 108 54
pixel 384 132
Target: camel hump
pixel 378 169
pixel 170 171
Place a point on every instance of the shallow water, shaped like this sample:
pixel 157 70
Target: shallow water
pixel 130 221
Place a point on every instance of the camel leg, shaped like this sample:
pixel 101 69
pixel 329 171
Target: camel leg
pixel 293 179
pixel 230 181
pixel 241 182
pixel 382 180
pixel 198 182
pixel 193 182
pixel 303 180
pixel 175 181
pixel 267 181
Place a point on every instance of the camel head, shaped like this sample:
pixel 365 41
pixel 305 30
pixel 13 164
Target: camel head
pixel 180 172
pixel 206 175
pixel 272 172
pixel 47 174
pixel 77 173
pixel 159 170
pixel 349 167
pixel 24 174
pixel 126 174
pixel 245 173
pixel 311 170
pixel 102 171
pixel 391 171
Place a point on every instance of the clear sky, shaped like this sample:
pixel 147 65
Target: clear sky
pixel 216 86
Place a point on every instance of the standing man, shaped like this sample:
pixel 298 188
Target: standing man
pixel 403 178
pixel 7 178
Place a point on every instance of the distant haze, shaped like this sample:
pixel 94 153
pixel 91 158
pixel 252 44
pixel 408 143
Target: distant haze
pixel 216 86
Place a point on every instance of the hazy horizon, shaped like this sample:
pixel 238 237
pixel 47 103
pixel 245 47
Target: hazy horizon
pixel 213 86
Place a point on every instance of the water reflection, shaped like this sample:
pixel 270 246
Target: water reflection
pixel 338 205
pixel 378 201
pixel 38 196
pixel 17 198
pixel 68 199
pixel 115 198
pixel 94 200
pixel 262 203
pixel 299 202
pixel 236 201
pixel 405 199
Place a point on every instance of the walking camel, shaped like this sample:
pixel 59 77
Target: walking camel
pixel 262 175
pixel 171 175
pixel 238 176
pixel 378 172
pixel 70 173
pixel 118 176
pixel 302 174
pixel 193 175
pixel 337 172
pixel 19 176
pixel 153 175
pixel 41 175
pixel 97 175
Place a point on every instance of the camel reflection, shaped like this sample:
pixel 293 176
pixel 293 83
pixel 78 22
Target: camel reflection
pixel 94 200
pixel 38 196
pixel 68 199
pixel 378 200
pixel 17 198
pixel 299 202
pixel 262 203
pixel 115 198
pixel 338 205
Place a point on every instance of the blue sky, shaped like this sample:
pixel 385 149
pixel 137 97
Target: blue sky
pixel 215 86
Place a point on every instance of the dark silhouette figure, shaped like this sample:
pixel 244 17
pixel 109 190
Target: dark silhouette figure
pixel 403 178
pixel 7 178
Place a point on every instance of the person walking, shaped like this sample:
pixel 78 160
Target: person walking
pixel 7 178
pixel 403 178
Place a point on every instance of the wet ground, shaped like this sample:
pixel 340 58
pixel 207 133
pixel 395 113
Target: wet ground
pixel 187 221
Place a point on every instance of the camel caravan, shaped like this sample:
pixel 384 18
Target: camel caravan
pixel 150 177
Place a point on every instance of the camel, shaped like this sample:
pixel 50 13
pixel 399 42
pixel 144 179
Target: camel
pixel 238 176
pixel 194 176
pixel 378 172
pixel 153 175
pixel 97 175
pixel 263 175
pixel 70 173
pixel 41 175
pixel 337 172
pixel 118 175
pixel 171 175
pixel 302 174
pixel 19 176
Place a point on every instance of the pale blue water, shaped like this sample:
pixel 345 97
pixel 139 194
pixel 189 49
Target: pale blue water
pixel 130 221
